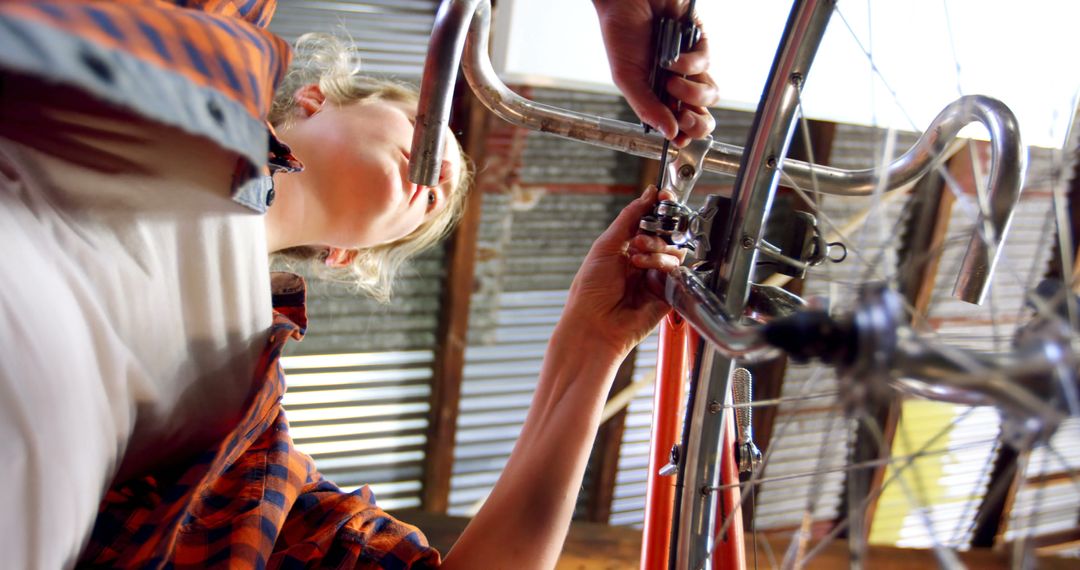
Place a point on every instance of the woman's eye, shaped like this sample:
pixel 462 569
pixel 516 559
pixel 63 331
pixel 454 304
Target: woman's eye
pixel 431 197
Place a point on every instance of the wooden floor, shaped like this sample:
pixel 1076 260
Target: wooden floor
pixel 592 546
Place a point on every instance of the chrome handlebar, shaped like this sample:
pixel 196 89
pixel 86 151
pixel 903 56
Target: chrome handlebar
pixel 449 38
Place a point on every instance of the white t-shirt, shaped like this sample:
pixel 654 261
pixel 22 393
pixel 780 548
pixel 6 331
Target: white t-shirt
pixel 134 303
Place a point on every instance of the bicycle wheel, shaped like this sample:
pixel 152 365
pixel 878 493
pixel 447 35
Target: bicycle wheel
pixel 875 468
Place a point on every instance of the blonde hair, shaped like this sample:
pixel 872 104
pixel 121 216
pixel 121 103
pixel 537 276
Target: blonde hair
pixel 326 61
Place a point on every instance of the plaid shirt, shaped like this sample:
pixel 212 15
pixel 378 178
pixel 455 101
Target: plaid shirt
pixel 209 67
pixel 253 501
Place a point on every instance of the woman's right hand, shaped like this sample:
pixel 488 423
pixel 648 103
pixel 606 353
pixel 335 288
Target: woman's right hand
pixel 627 28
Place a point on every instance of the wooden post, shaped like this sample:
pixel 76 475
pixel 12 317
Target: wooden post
pixel 453 327
pixel 605 454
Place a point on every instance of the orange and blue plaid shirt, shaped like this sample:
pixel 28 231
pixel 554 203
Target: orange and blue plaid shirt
pixel 254 500
pixel 209 67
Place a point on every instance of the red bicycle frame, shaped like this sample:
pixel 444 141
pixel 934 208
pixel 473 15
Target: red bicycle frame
pixel 673 363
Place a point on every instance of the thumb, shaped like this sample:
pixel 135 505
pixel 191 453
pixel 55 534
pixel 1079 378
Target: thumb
pixel 626 224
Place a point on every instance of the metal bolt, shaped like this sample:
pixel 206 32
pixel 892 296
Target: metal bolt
pixel 747 242
pixel 706 490
pixel 771 162
pixel 796 79
pixel 686 171
pixel 715 407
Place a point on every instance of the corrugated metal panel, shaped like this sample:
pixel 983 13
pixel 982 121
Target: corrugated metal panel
pixel 530 248
pixel 391 37
pixel 359 383
pixel 363 418
pixel 551 160
pixel 628 503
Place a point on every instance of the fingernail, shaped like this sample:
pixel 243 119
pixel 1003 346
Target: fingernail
pixel 668 134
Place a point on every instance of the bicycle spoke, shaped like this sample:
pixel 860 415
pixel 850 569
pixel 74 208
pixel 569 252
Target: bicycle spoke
pixel 907 462
pixel 782 401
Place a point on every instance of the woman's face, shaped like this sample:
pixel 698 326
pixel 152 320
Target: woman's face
pixel 356 166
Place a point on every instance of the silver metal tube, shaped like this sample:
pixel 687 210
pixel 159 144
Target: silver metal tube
pixel 701 308
pixel 1021 381
pixel 723 158
pixel 1006 178
pixel 437 89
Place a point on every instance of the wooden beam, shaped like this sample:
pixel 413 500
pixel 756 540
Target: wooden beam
pixel 471 122
pixel 992 517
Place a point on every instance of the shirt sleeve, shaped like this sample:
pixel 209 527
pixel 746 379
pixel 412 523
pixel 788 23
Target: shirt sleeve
pixel 256 12
pixel 207 67
pixel 353 532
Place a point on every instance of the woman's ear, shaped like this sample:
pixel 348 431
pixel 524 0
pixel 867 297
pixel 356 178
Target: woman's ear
pixel 338 257
pixel 309 99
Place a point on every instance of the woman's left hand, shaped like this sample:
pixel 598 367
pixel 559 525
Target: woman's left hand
pixel 617 295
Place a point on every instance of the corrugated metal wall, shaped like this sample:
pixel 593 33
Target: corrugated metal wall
pixel 360 382
pixel 540 215
pixel 1047 503
pixel 391 35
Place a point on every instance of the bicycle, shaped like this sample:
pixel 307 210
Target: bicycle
pixel 874 346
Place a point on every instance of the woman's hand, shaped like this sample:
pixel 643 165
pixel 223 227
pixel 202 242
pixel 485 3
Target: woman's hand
pixel 617 295
pixel 627 28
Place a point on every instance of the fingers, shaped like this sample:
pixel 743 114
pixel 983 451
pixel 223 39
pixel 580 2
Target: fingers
pixel 658 261
pixel 694 61
pixel 696 122
pixel 651 252
pixel 648 107
pixel 698 90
